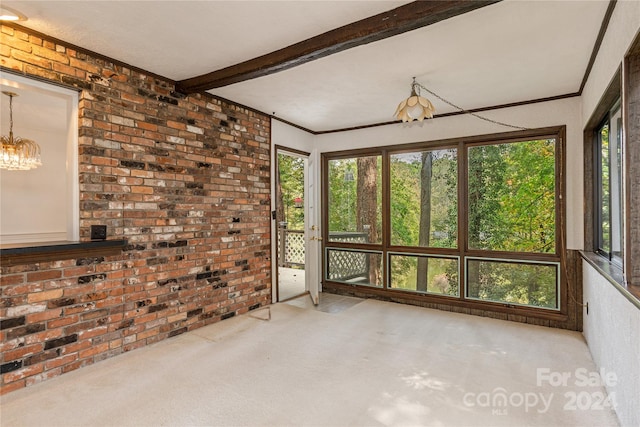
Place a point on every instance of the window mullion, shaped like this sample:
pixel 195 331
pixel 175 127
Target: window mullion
pixel 463 216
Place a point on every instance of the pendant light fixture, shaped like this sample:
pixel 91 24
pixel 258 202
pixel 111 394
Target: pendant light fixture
pixel 18 153
pixel 415 107
pixel 418 108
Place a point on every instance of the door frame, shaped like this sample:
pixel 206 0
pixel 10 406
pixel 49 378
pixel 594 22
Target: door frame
pixel 274 223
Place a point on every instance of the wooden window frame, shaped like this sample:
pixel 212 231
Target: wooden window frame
pixel 597 188
pixel 462 252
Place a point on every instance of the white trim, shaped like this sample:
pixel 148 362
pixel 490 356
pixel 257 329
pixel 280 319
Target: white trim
pixel 73 179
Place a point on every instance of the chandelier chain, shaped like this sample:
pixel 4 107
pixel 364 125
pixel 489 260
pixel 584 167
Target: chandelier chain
pixel 18 153
pixel 467 111
pixel 11 113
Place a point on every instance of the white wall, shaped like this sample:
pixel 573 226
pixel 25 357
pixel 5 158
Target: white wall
pixel 41 204
pixel 286 136
pixel 612 331
pixel 612 327
pixel 31 201
pixel 291 137
pixel 562 112
pixel 623 27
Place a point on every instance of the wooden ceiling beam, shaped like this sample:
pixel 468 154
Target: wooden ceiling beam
pixel 405 18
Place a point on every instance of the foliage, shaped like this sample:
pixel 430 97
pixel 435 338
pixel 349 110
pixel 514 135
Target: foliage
pixel 343 196
pixel 605 190
pixel 512 197
pixel 511 207
pixel 524 284
pixel 512 203
pixel 407 206
pixel 406 185
pixel 442 276
pixel 291 180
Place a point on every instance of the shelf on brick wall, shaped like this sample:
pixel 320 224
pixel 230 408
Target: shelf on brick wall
pixel 27 253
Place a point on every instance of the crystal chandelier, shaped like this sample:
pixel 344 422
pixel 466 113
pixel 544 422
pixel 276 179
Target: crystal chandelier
pixel 18 153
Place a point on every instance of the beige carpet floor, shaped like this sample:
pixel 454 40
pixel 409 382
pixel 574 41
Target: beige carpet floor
pixel 349 363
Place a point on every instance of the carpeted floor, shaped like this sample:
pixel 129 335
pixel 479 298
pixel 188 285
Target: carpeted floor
pixel 349 362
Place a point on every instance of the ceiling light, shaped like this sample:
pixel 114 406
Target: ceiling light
pixel 418 108
pixel 18 153
pixel 415 107
pixel 10 14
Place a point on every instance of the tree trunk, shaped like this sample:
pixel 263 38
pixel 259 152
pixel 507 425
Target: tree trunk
pixel 367 208
pixel 425 218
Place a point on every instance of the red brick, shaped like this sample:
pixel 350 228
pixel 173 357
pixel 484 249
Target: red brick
pixel 93 350
pixel 18 44
pixel 20 374
pixel 75 347
pixel 22 351
pixel 50 54
pixel 43 275
pixel 75 365
pixel 44 296
pixel 43 316
pixel 7 388
pixel 11 279
pixel 92 333
pixel 63 321
pixel 60 361
pixel 104 312
pixel 47 374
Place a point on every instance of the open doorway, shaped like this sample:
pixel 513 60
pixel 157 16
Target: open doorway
pixel 291 170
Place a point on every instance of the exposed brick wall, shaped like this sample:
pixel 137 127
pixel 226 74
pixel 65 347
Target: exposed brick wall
pixel 184 179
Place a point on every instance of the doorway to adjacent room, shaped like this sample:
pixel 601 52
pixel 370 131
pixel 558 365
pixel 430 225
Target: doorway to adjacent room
pixel 291 218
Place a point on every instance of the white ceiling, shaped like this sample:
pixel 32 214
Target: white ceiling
pixel 512 51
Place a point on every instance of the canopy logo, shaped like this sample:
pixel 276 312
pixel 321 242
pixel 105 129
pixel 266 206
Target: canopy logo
pixel 499 400
pixel 584 390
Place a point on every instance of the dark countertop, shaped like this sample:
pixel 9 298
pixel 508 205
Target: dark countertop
pixel 28 253
pixel 31 247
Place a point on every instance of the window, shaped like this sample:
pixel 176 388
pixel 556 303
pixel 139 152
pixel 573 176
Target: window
pixel 429 274
pixel 360 267
pixel 424 198
pixel 518 283
pixel 355 220
pixel 355 195
pixel 609 217
pixel 511 205
pixel 476 219
pixel 511 196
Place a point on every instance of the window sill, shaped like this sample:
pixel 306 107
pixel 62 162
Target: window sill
pixel 614 275
pixel 28 253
